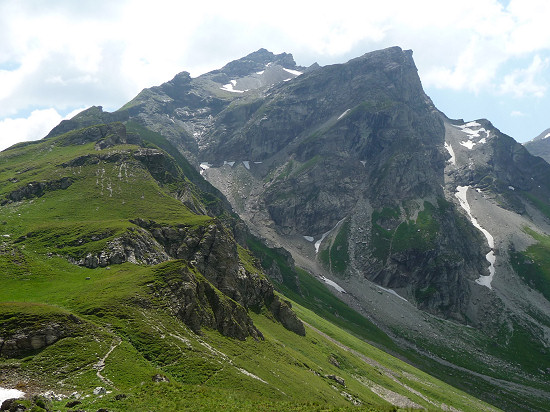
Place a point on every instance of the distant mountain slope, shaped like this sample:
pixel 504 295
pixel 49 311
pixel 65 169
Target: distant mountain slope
pixel 540 146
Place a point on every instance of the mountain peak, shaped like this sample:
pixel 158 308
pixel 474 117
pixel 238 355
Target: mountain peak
pixel 257 61
pixel 544 135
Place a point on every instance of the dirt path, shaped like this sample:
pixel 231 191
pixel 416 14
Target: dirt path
pixel 100 365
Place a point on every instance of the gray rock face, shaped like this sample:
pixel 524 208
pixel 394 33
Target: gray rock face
pixel 213 253
pixel 343 141
pixel 352 141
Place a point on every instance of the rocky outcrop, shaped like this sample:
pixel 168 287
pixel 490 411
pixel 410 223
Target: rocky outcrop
pixel 26 341
pixel 86 118
pixel 21 335
pixel 282 310
pixel 197 302
pixel 135 246
pixel 212 289
pixel 103 135
pixel 37 189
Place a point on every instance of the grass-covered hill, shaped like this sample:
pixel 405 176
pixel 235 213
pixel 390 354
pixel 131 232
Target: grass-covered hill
pixel 123 288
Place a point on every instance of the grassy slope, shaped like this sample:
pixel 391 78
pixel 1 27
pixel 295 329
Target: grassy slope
pixel 116 310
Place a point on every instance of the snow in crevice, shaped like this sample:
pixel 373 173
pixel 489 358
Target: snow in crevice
pixel 343 114
pixel 294 72
pixel 451 152
pixel 309 238
pixel 318 243
pixel 363 162
pixel 472 124
pixel 246 164
pixel 468 144
pixel 461 194
pixel 333 284
pixel 204 166
pixel 393 292
pixel 473 134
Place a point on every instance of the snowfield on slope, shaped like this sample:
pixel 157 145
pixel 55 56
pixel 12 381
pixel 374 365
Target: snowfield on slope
pixel 461 194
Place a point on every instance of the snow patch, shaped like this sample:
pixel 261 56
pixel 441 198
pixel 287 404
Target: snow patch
pixel 343 114
pixel 486 280
pixel 294 72
pixel 363 162
pixel 511 188
pixel 246 164
pixel 333 284
pixel 204 166
pixel 393 292
pixel 225 162
pixel 318 243
pixel 468 143
pixel 287 80
pixel 451 152
pixel 10 394
pixel 261 72
pixel 461 192
pixel 229 87
pixel 466 128
pixel 257 163
pixel 547 136
pixel 309 238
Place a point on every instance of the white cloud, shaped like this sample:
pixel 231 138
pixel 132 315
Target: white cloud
pixel 458 46
pixel 517 113
pixel 526 82
pixel 34 127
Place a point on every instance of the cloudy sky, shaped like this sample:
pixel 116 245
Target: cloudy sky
pixel 476 58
